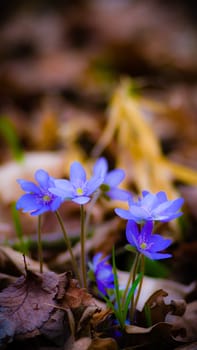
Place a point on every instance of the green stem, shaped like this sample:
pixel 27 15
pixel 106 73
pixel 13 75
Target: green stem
pixel 74 263
pixel 134 269
pixel 83 257
pixel 141 281
pixel 40 255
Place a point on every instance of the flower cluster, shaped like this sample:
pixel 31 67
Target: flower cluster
pixel 51 192
pixel 149 208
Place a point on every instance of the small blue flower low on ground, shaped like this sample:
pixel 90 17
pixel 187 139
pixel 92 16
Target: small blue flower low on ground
pixel 152 207
pixel 103 273
pixel 38 199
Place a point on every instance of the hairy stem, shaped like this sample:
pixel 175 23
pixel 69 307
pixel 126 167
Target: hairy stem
pixel 74 263
pixel 83 238
pixel 40 254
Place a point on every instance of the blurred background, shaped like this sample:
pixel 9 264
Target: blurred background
pixel 60 63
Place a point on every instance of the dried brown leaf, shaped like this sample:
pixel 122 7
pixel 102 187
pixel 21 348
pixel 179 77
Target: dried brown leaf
pixel 188 321
pixel 104 344
pixel 158 309
pixel 81 305
pixel 155 335
pixel 29 308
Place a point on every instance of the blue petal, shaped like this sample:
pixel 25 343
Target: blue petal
pixel 147 230
pixel 105 273
pixel 96 259
pixel 63 189
pixel 162 197
pixel 132 233
pixel 93 184
pixel 149 201
pixel 81 200
pixel 28 186
pixel 60 193
pixel 166 218
pixel 139 214
pixel 55 203
pixel 124 214
pixel 114 177
pixel 159 243
pixel 41 210
pixel 100 167
pixel 170 207
pixel 27 202
pixel 77 173
pixel 64 185
pixel 156 256
pixel 144 193
pixel 117 193
pixel 101 287
pixel 42 177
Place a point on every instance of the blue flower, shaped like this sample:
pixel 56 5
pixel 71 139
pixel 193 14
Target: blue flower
pixel 78 188
pixel 111 180
pixel 152 207
pixel 38 199
pixel 145 242
pixel 103 273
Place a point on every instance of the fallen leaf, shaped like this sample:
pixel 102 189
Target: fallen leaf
pixel 27 306
pixel 104 344
pixel 158 309
pixel 158 334
pixel 174 290
pixel 82 306
pixel 187 321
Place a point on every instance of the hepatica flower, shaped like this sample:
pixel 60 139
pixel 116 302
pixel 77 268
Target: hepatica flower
pixel 152 207
pixel 145 242
pixel 103 273
pixel 38 199
pixel 78 188
pixel 111 180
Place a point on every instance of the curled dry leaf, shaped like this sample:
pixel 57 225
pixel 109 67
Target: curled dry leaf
pixel 174 290
pixel 104 344
pixel 27 306
pixel 158 309
pixel 187 321
pixel 160 333
pixel 82 306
